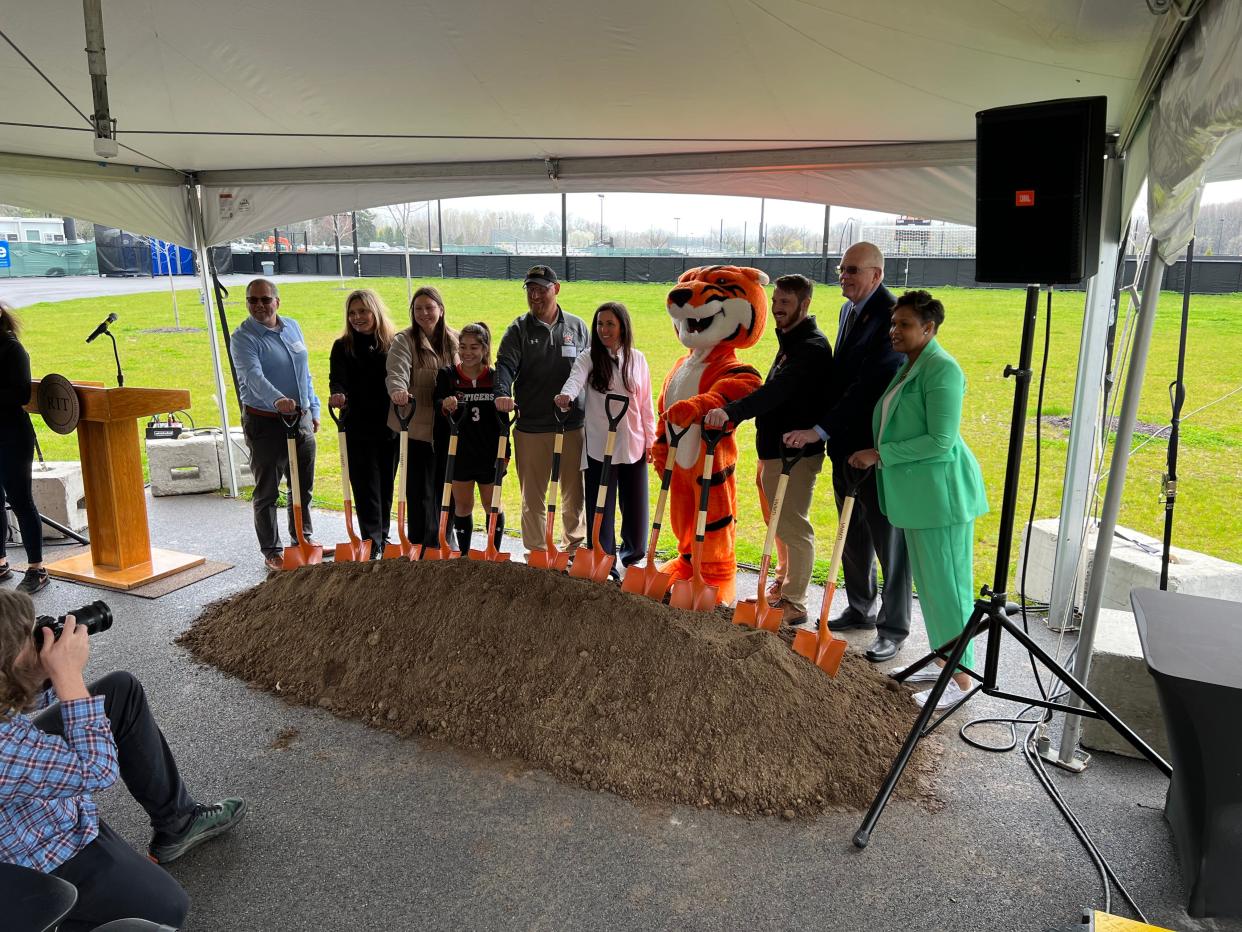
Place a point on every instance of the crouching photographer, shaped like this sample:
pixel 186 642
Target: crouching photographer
pixel 52 763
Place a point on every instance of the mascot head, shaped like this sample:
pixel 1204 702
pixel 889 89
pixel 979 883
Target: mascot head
pixel 719 304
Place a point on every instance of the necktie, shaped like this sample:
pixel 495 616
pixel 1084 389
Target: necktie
pixel 846 325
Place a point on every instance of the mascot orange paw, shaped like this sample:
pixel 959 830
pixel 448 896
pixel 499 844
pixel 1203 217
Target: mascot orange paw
pixel 683 413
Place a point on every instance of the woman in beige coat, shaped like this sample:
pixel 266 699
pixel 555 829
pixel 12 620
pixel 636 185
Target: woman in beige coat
pixel 415 356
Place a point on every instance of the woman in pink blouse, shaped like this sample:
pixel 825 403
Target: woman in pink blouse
pixel 613 366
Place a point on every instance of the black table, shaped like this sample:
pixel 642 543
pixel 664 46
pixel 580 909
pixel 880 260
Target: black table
pixel 1193 648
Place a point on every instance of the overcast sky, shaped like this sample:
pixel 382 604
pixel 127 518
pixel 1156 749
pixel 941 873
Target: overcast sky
pixel 696 215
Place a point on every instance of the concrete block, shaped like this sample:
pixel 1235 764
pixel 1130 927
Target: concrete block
pixel 1134 563
pixel 241 456
pixel 1119 676
pixel 183 466
pixel 59 495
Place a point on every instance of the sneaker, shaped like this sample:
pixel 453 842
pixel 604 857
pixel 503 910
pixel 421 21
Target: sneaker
pixel 5 572
pixel 951 696
pixel 206 822
pixel 274 564
pixel 33 580
pixel 929 674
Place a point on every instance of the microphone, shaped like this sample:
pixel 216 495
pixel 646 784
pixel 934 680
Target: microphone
pixel 102 328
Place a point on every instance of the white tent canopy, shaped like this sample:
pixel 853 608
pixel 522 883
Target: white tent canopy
pixel 296 112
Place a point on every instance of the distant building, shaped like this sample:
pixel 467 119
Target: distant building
pixel 32 229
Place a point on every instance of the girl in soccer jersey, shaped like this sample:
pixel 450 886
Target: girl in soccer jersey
pixel 470 385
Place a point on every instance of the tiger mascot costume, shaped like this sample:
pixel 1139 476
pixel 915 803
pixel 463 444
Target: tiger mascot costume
pixel 716 310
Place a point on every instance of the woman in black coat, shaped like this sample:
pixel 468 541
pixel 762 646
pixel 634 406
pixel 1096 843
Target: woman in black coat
pixel 356 372
pixel 17 454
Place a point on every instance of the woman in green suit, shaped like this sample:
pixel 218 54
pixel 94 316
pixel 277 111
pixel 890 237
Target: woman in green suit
pixel 929 483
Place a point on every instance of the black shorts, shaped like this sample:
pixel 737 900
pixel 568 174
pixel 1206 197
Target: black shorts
pixel 477 472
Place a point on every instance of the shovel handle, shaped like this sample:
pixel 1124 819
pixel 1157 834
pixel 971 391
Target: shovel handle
pixel 713 435
pixel 789 458
pixel 336 419
pixel 291 422
pixel 404 420
pixel 455 417
pixel 675 434
pixel 610 400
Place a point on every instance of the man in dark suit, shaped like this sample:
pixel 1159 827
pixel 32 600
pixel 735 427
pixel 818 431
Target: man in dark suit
pixel 864 362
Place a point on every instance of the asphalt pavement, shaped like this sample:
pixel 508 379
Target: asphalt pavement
pixel 351 828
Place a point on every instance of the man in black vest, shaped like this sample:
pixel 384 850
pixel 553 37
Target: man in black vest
pixel 864 362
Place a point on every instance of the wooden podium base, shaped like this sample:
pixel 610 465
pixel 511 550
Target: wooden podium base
pixel 162 563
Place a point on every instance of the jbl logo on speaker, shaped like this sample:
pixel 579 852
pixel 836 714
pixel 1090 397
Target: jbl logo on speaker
pixel 1023 198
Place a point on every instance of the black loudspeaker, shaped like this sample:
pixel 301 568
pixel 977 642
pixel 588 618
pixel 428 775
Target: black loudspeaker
pixel 1039 172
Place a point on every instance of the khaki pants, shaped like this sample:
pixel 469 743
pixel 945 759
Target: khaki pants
pixel 794 528
pixel 533 456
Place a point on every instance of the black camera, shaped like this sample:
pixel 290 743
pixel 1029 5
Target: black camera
pixel 95 617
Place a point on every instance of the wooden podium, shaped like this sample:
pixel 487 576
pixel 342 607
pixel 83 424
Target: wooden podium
pixel 121 554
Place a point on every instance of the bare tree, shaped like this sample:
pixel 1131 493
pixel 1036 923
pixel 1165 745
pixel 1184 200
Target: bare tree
pixel 654 238
pixel 340 225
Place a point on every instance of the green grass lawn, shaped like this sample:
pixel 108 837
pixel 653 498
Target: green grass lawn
pixel 982 331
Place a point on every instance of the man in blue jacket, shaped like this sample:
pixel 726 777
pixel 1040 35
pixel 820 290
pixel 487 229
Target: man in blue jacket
pixel 273 373
pixel 864 362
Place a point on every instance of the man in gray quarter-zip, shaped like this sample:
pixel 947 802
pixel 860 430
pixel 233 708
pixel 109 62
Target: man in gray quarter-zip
pixel 535 356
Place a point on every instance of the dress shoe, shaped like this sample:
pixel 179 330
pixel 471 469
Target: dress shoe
pixel 882 649
pixel 849 620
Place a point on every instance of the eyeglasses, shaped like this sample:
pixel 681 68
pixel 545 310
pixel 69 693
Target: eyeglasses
pixel 853 269
pixel 261 299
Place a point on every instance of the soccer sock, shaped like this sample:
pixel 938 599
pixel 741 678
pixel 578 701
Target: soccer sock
pixel 463 525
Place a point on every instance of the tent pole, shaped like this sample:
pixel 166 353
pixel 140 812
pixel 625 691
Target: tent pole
pixel 200 251
pixel 1072 730
pixel 1080 456
pixel 564 226
pixel 827 232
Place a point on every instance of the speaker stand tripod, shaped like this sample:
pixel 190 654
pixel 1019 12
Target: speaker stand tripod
pixel 989 617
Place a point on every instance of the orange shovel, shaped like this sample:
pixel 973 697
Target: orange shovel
pixel 595 563
pixel 301 552
pixel 502 457
pixel 694 594
pixel 403 548
pixel 550 558
pixel 824 649
pixel 648 580
pixel 445 551
pixel 354 549
pixel 757 612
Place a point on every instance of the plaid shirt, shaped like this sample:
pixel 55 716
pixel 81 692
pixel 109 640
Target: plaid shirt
pixel 46 811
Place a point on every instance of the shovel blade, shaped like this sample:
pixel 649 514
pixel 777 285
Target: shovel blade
pixel 490 554
pixel 395 551
pixel 769 619
pixel 746 612
pixel 351 552
pixel 583 566
pixel 806 643
pixel 830 655
pixel 692 596
pixel 658 586
pixel 440 553
pixel 635 580
pixel 302 555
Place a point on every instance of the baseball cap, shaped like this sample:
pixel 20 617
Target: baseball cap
pixel 540 275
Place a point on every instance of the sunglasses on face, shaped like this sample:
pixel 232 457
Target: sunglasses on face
pixel 263 299
pixel 852 269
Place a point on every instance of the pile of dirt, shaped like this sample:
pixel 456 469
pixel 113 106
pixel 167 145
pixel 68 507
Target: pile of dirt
pixel 599 687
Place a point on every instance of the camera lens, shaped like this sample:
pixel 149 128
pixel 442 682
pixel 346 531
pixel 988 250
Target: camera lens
pixel 95 617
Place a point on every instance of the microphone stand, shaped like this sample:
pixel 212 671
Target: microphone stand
pixel 120 378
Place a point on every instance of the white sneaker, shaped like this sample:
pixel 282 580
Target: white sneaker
pixel 929 674
pixel 952 694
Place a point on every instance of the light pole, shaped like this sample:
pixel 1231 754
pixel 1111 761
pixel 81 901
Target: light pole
pixel 676 228
pixel 601 220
